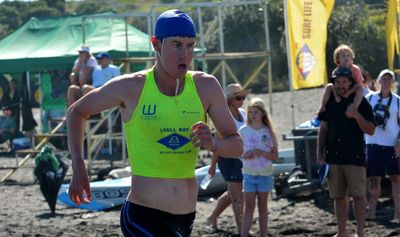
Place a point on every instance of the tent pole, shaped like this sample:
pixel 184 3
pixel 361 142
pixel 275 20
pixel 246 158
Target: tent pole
pixel 41 98
pixel 203 47
pixel 267 42
pixel 28 84
pixel 221 43
pixel 126 37
pixel 288 58
pixel 83 30
pixel 149 27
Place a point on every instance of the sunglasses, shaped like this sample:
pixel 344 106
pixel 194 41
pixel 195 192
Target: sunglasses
pixel 240 98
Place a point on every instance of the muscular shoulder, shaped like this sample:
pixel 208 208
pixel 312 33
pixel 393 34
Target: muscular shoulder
pixel 208 88
pixel 205 82
pixel 198 75
pixel 129 81
pixel 126 87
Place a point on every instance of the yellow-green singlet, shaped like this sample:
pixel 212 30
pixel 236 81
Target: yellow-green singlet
pixel 157 136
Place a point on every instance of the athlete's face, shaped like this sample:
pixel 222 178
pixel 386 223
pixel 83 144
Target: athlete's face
pixel 176 54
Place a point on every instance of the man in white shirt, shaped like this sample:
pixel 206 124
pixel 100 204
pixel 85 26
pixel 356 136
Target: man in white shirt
pixel 383 147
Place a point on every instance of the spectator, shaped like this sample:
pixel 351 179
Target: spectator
pixel 381 156
pixel 343 56
pixel 81 75
pixel 231 169
pixel 341 145
pixel 104 71
pixel 368 83
pixel 260 149
pixel 12 99
pixel 7 125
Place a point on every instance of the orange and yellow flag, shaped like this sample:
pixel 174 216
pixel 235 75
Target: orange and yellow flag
pixel 392 41
pixel 307 22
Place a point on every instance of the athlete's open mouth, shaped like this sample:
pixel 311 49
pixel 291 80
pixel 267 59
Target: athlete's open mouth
pixel 182 66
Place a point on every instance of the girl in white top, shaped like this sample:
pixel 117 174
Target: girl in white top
pixel 260 149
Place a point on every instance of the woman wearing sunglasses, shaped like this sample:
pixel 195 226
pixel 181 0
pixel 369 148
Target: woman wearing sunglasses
pixel 231 169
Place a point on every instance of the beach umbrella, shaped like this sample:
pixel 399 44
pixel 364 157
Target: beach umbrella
pixel 50 172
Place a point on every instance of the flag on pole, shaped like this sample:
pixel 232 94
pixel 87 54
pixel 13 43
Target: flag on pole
pixel 307 22
pixel 392 41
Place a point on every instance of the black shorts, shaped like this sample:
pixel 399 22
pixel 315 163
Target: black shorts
pixel 381 160
pixel 140 221
pixel 231 169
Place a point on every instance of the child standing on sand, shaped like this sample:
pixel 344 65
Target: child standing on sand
pixel 260 149
pixel 343 56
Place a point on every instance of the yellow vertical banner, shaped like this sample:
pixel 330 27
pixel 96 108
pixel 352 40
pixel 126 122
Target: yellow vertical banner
pixel 307 22
pixel 391 30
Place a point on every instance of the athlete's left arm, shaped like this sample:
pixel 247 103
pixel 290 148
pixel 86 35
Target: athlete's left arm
pixel 229 142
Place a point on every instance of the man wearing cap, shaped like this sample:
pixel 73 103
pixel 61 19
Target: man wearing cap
pixel 104 71
pixel 341 145
pixel 381 156
pixel 81 75
pixel 164 112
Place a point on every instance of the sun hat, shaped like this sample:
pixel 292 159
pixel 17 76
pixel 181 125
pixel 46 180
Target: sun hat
pixel 102 55
pixel 84 49
pixel 174 22
pixel 384 72
pixel 232 90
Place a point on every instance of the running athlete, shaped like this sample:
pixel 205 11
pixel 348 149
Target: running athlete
pixel 164 112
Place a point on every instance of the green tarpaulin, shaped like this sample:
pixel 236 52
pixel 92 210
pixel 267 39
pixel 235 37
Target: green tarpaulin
pixel 52 43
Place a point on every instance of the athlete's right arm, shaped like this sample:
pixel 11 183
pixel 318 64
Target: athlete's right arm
pixel 121 91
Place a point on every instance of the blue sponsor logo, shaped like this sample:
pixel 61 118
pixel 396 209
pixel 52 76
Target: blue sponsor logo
pixel 173 141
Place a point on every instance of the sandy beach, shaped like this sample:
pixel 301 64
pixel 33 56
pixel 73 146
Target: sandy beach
pixel 24 212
